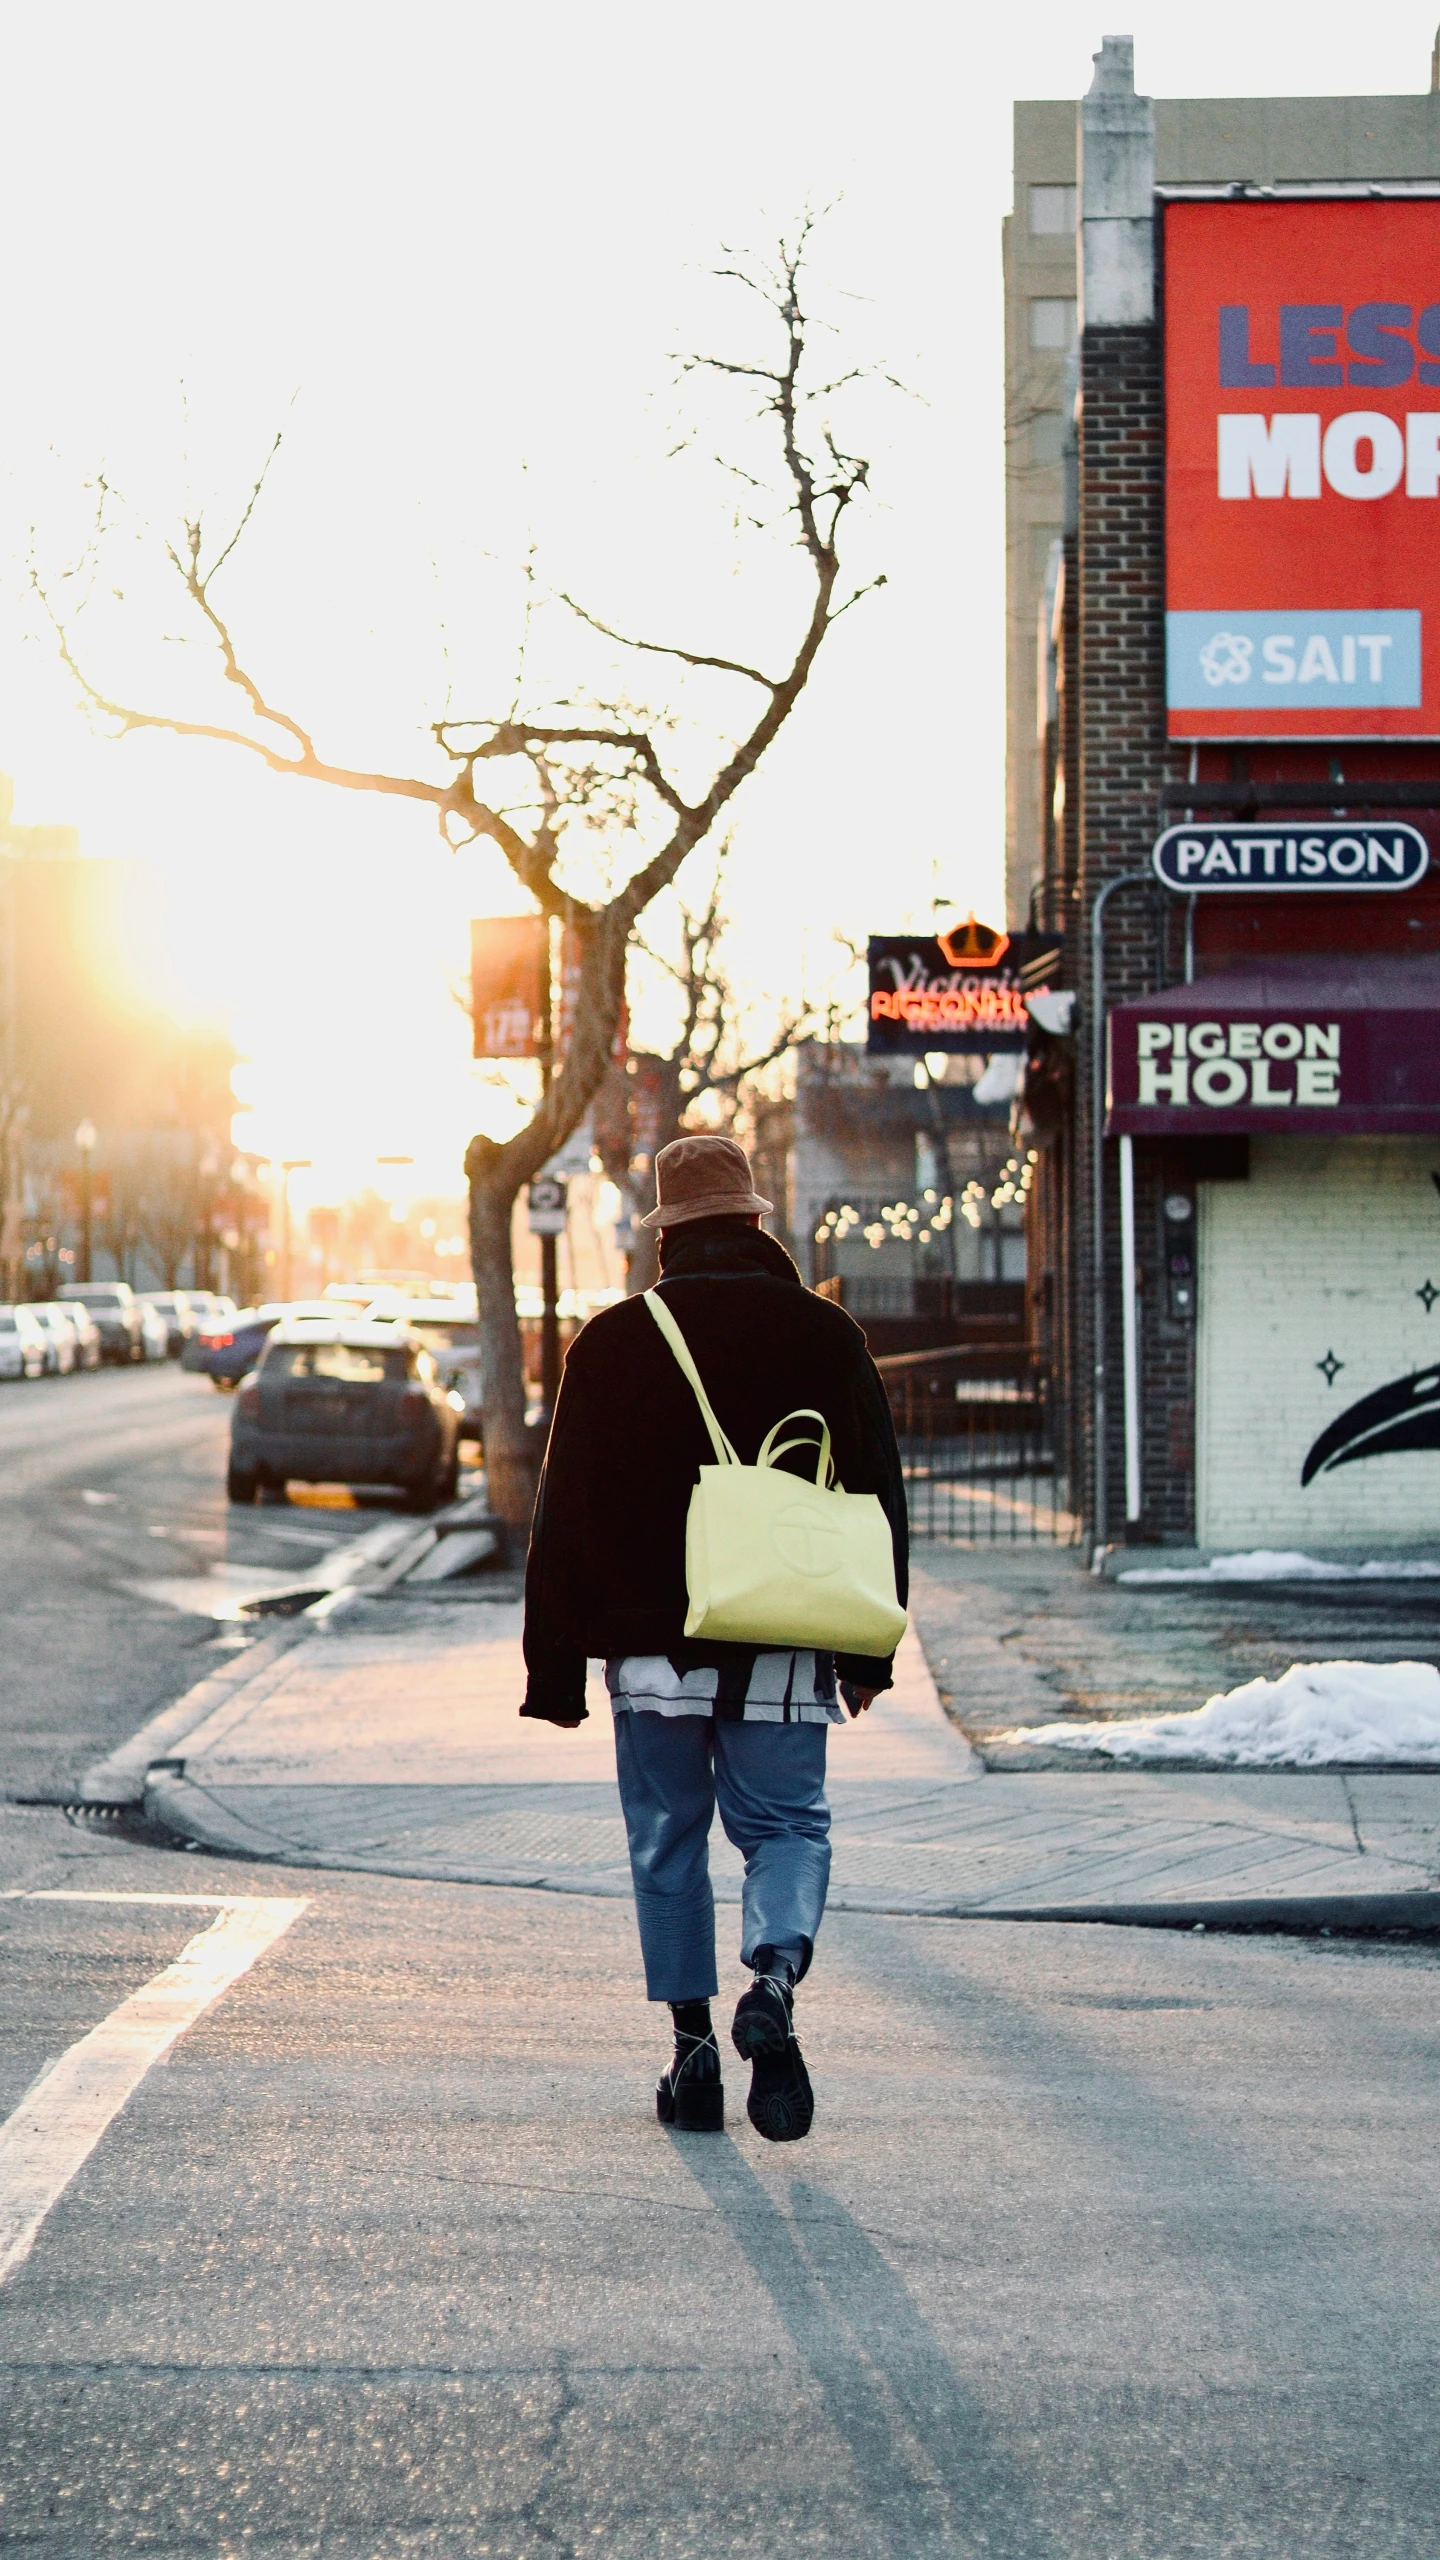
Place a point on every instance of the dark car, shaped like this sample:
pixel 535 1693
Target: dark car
pixel 113 1307
pixel 353 1404
pixel 226 1348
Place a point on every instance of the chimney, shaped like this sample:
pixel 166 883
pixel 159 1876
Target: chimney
pixel 1116 243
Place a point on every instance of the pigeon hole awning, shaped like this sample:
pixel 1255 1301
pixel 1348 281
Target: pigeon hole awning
pixel 1305 1048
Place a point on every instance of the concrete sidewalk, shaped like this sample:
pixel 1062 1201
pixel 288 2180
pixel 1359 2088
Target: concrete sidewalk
pixel 1020 1635
pixel 385 1739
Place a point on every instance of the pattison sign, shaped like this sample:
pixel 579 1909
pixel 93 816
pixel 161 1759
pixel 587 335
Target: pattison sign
pixel 1382 856
pixel 1302 373
pixel 1180 1068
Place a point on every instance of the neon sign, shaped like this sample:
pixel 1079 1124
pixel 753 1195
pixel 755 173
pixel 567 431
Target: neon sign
pixel 963 990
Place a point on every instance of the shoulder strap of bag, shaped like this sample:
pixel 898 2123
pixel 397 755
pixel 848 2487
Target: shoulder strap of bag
pixel 727 1456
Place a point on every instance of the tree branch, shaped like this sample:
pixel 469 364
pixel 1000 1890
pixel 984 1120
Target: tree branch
pixel 660 649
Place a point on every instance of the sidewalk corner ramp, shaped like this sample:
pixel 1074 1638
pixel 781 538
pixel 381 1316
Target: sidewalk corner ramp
pixel 391 1745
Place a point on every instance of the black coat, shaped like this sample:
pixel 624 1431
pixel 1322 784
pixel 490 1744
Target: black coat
pixel 606 1572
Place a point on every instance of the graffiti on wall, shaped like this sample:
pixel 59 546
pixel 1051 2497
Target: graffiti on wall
pixel 1403 1415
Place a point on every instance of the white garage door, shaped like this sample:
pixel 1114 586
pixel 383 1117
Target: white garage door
pixel 1320 1345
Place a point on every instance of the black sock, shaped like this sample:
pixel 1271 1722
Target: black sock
pixel 692 2017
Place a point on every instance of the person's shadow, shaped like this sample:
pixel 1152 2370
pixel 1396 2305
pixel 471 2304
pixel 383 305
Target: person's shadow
pixel 924 2470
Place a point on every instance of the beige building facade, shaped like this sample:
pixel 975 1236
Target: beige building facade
pixel 1214 141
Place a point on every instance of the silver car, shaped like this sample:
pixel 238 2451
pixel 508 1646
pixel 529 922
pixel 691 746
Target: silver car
pixel 62 1352
pixel 88 1350
pixel 452 1336
pixel 181 1313
pixel 154 1332
pixel 24 1344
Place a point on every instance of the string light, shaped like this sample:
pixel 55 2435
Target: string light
pixel 909 1222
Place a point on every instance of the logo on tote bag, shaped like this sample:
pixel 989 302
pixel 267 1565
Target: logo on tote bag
pixel 807 1545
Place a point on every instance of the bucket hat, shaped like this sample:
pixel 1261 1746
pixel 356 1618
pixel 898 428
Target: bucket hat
pixel 703 1177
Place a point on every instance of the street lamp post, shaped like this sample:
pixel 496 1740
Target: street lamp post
pixel 85 1141
pixel 201 1244
pixel 289 1165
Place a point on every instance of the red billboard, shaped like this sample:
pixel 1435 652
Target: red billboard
pixel 1302 374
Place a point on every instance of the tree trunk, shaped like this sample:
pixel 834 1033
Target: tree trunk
pixel 496 1175
pixel 644 1265
pixel 512 1452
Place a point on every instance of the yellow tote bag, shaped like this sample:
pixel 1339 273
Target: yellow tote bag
pixel 770 1559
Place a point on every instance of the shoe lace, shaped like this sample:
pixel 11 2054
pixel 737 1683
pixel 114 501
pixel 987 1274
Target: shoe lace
pixel 760 1980
pixel 686 2048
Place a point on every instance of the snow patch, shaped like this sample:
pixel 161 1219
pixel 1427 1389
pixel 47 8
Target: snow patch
pixel 1280 1564
pixel 1317 1713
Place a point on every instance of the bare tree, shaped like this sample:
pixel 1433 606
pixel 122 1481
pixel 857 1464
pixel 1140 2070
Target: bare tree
pixel 167 1213
pixel 710 1057
pixel 14 1116
pixel 120 1227
pixel 600 772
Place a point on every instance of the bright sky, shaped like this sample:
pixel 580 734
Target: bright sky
pixel 452 250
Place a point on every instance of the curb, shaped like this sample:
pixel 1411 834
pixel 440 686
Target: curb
pixel 1416 1913
pixel 176 1805
pixel 194 1819
pixel 119 1779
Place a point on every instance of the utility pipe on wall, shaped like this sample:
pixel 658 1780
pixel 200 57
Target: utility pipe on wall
pixel 1130 1328
pixel 1123 880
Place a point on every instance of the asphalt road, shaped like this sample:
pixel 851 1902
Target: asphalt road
pixel 109 1483
pixel 1108 2244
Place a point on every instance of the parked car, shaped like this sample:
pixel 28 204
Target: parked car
pixel 88 1351
pixel 453 1336
pixel 62 1341
pixel 226 1348
pixel 182 1314
pixel 112 1304
pixel 154 1332
pixel 24 1344
pixel 346 1403
pixel 206 1307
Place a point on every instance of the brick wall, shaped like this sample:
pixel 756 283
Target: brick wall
pixel 1123 759
pixel 1328 1253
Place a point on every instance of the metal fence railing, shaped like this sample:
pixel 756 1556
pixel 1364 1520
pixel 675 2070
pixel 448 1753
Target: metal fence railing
pixel 978 1442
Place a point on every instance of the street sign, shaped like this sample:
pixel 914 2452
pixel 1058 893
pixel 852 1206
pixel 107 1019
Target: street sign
pixel 547 1205
pixel 1291 857
pixel 573 1154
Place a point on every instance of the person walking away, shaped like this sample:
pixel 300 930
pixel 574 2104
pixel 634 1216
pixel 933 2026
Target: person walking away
pixel 699 1722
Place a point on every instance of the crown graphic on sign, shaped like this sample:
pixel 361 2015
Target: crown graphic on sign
pixel 972 945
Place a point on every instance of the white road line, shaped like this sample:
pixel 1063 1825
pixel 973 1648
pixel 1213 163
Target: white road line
pixel 59 2121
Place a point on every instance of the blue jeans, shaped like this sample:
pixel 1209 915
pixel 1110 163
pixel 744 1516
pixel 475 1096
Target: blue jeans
pixel 769 1780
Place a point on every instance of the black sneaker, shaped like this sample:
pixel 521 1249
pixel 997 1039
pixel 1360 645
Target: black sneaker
pixel 781 2104
pixel 691 2095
